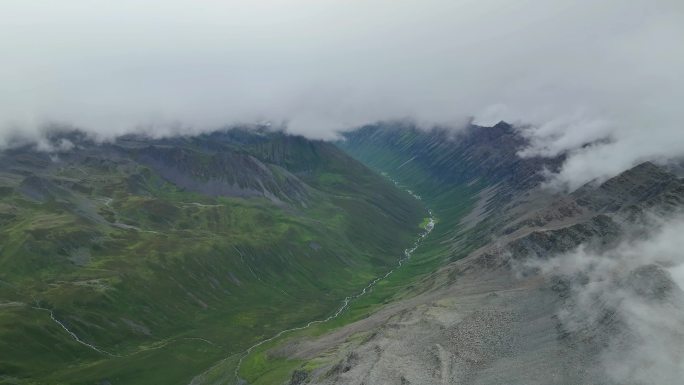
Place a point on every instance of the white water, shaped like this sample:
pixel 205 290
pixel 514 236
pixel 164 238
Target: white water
pixel 72 334
pixel 345 303
pixel 102 351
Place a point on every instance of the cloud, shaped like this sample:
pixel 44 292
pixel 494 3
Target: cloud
pixel 627 300
pixel 573 70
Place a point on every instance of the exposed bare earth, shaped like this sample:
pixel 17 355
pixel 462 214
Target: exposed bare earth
pixel 487 328
pixel 489 319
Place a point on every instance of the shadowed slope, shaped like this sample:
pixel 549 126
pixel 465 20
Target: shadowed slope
pixel 171 254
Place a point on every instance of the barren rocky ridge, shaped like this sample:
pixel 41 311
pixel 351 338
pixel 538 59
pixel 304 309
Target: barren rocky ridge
pixel 498 316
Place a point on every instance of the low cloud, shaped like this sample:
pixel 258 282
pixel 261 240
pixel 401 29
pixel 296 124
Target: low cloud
pixel 627 300
pixel 576 71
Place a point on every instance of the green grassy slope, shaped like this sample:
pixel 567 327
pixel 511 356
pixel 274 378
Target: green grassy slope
pixel 389 151
pixel 447 170
pixel 131 248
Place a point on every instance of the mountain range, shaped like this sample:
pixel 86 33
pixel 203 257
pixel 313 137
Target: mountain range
pixel 428 256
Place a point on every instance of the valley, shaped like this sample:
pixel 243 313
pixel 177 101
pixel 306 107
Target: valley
pixel 341 192
pixel 257 257
pixel 483 302
pixel 113 269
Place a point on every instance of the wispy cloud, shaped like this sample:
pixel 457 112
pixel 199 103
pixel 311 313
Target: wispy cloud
pixel 627 301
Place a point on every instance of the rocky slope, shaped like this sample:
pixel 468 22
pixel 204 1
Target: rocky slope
pixel 561 289
pixel 159 260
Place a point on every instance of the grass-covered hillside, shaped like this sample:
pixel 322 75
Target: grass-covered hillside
pixel 461 176
pixel 148 261
pixel 457 172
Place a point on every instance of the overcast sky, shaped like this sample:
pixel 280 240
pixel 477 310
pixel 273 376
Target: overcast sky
pixel 576 70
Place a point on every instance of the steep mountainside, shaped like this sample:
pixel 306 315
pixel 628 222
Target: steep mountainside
pixel 461 177
pixel 439 159
pixel 163 260
pixel 475 170
pixel 532 308
pixel 534 287
pixel 150 260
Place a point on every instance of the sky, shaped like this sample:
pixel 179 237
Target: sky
pixel 572 72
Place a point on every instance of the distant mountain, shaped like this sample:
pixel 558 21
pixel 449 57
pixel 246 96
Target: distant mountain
pixel 149 260
pixel 443 158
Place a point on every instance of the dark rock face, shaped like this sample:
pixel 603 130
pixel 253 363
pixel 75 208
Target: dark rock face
pixel 299 377
pixel 128 244
pixel 651 282
pixel 594 213
pixel 603 308
pixel 223 173
pixel 236 162
pixel 644 186
pixel 543 244
pixel 489 153
pixel 38 189
pixel 345 365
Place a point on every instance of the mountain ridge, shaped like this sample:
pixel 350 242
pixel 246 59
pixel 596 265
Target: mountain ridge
pixel 101 243
pixel 486 312
pixel 143 252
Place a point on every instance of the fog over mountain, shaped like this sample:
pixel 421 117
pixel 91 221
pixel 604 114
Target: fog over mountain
pixel 647 353
pixel 573 72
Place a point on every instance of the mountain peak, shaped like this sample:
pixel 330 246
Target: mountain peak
pixel 644 184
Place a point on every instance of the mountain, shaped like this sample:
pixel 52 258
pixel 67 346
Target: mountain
pixel 396 255
pixel 439 159
pixel 149 260
pixel 525 285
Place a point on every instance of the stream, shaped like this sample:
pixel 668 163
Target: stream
pixel 343 306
